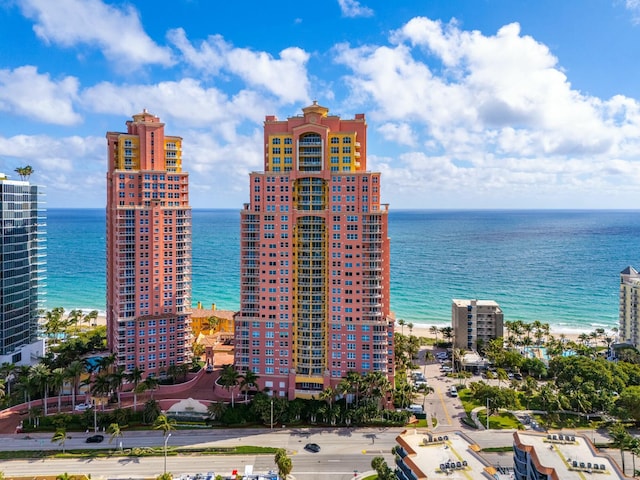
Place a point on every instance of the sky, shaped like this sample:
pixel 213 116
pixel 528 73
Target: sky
pixel 470 104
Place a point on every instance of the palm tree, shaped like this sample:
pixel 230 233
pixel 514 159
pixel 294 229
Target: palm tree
pixel 410 325
pixel 24 172
pixel 283 462
pixel 167 425
pixel 115 431
pixel 150 383
pixel 328 394
pixel 229 378
pixel 40 374
pixel 73 372
pixel 213 323
pixel 60 437
pixel 135 377
pixel 151 411
pixel 620 439
pixel 402 323
pixel 57 383
pixel 434 331
pixel 249 379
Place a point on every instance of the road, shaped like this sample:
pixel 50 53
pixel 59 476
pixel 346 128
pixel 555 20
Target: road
pixel 343 450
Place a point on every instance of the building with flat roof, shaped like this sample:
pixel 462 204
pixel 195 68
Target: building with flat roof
pixel 422 454
pixel 148 248
pixel 559 456
pixel 629 330
pixel 475 320
pixel 314 292
pixel 22 271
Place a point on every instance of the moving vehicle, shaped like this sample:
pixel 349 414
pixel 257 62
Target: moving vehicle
pixel 312 447
pixel 81 407
pixel 95 439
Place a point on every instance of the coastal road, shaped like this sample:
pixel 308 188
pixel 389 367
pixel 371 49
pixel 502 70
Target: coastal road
pixel 306 466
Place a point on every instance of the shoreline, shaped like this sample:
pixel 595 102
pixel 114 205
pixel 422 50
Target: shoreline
pixel 421 329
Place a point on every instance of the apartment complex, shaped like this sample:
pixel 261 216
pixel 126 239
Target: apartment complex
pixel 22 271
pixel 474 320
pixel 557 456
pixel 629 292
pixel 148 248
pixel 314 300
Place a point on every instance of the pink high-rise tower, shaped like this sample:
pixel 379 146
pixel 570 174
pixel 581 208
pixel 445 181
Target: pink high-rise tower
pixel 314 301
pixel 148 248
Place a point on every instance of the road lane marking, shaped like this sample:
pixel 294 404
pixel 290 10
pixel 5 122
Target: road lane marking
pixel 444 406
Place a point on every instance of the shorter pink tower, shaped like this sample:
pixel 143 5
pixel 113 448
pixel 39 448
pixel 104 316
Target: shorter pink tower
pixel 148 248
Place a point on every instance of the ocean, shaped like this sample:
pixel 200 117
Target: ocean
pixel 556 266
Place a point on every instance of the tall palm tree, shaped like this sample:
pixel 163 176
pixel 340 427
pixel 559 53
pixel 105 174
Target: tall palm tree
pixel 249 379
pixel 433 329
pixel 620 438
pixel 24 172
pixel 73 372
pixel 151 383
pixel 41 375
pixel 402 323
pixel 57 383
pixel 229 378
pixel 135 377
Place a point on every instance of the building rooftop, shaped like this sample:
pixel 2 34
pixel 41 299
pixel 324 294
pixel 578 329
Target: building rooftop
pixel 481 303
pixel 444 456
pixel 565 456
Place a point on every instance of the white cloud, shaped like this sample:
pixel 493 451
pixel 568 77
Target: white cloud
pixel 634 7
pixel 398 132
pixel 504 91
pixel 25 92
pixel 352 8
pixel 187 102
pixel 117 32
pixel 284 77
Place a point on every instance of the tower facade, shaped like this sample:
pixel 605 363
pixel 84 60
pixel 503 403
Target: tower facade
pixel 148 248
pixel 22 271
pixel 314 301
pixel 629 329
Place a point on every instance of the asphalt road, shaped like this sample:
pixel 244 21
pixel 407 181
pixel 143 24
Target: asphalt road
pixel 343 451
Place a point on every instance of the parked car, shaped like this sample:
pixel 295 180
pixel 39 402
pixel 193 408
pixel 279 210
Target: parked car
pixel 209 368
pixel 453 391
pixel 312 447
pixel 95 439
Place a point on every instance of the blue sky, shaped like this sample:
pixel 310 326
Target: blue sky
pixel 470 103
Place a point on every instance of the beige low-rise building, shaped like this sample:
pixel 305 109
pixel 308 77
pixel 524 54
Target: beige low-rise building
pixel 475 320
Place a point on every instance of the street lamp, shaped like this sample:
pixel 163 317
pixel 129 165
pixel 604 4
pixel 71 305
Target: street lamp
pixel 271 413
pixel 166 439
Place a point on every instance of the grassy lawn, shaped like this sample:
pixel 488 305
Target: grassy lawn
pixel 564 420
pixel 502 420
pixel 467 401
pixel 136 452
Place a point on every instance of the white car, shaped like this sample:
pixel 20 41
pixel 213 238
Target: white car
pixel 81 407
pixel 453 391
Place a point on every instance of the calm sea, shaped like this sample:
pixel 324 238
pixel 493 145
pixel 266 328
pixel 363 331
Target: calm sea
pixel 560 267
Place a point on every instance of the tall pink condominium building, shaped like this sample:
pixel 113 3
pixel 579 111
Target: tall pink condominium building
pixel 148 248
pixel 314 300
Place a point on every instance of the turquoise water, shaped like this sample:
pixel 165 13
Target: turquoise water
pixel 560 267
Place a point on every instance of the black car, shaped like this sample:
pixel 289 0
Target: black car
pixel 95 439
pixel 312 447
